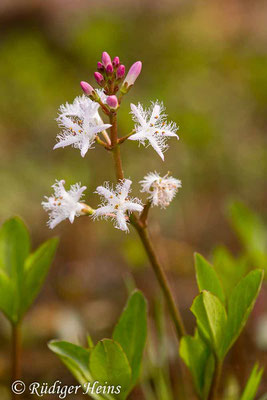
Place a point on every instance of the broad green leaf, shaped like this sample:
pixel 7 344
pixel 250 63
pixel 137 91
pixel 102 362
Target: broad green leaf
pixel 197 355
pixel 240 306
pixel 109 365
pixel 21 273
pixel 76 359
pixel 36 269
pixel 131 331
pixel 211 319
pixel 7 295
pixel 14 247
pixel 209 373
pixel 207 278
pixel 252 232
pixel 252 384
pixel 230 269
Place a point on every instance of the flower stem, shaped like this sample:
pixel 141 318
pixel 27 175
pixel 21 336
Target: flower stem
pixel 122 139
pixel 16 353
pixel 115 146
pixel 101 142
pixel 106 137
pixel 144 215
pixel 215 381
pixel 140 226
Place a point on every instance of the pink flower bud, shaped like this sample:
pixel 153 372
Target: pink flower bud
pixel 109 68
pixel 106 59
pixel 112 101
pixel 100 66
pixel 88 89
pixel 133 73
pixel 98 77
pixel 120 71
pixel 116 61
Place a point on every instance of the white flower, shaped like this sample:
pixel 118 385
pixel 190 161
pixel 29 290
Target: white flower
pixel 102 95
pixel 117 204
pixel 151 126
pixel 161 190
pixel 80 122
pixel 64 204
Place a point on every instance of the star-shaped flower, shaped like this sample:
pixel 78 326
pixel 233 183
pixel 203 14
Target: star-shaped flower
pixel 161 190
pixel 64 204
pixel 151 127
pixel 80 123
pixel 116 204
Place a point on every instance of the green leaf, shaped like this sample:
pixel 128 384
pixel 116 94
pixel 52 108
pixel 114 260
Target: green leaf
pixel 7 295
pixel 76 359
pixel 211 319
pixel 109 365
pixel 240 306
pixel 131 331
pixel 14 249
pixel 252 383
pixel 36 269
pixel 21 273
pixel 200 361
pixel 207 278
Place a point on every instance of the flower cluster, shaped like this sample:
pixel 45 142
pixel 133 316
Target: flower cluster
pixel 81 126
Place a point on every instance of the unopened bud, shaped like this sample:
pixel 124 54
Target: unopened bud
pixel 106 59
pixel 120 71
pixel 109 68
pixel 112 102
pixel 100 66
pixel 98 77
pixel 133 73
pixel 116 61
pixel 88 89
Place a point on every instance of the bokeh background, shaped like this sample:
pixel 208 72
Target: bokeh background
pixel 208 62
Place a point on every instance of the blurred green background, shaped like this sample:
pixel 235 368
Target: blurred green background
pixel 208 62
